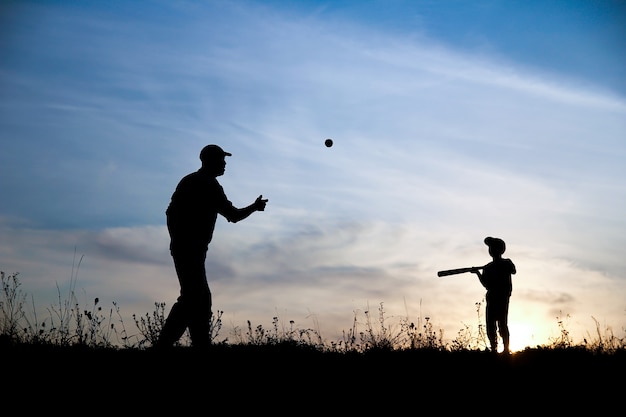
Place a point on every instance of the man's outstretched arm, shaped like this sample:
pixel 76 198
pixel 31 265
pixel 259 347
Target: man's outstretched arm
pixel 235 214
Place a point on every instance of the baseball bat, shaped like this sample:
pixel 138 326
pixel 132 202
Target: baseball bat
pixel 456 271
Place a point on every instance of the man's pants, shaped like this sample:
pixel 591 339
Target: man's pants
pixel 193 307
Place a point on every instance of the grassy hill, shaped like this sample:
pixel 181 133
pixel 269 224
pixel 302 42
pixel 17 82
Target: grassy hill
pixel 72 366
pixel 286 379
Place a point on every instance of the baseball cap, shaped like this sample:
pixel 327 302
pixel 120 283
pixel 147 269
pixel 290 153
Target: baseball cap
pixel 211 152
pixel 496 243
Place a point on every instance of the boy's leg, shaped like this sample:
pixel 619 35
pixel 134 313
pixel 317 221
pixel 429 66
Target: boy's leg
pixel 505 339
pixel 491 326
pixel 503 325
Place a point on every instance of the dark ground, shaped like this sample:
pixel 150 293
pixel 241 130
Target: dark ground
pixel 289 380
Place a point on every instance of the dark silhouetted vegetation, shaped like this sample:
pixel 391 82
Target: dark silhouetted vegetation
pixel 89 354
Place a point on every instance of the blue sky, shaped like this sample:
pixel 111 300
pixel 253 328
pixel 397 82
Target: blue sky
pixel 452 121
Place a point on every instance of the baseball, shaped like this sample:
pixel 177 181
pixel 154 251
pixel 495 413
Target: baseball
pixel 328 143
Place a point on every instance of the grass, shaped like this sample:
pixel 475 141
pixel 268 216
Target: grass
pixel 80 356
pixel 70 325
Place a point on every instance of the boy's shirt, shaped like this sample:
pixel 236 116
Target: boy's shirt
pixel 496 277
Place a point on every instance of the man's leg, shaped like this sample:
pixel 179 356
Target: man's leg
pixel 195 294
pixel 174 326
pixel 200 320
pixel 189 265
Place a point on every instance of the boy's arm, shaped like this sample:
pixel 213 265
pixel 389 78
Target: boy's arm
pixel 480 276
pixel 513 269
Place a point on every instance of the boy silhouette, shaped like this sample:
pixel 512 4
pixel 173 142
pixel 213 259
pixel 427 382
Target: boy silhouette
pixel 496 278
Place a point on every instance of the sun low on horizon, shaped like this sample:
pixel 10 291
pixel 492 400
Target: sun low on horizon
pixel 522 337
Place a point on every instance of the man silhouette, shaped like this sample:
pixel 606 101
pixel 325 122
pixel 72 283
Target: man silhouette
pixel 191 217
pixel 496 278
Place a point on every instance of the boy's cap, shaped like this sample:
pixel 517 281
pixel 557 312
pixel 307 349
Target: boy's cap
pixel 212 152
pixel 496 243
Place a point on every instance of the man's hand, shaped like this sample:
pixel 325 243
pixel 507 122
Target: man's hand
pixel 260 203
